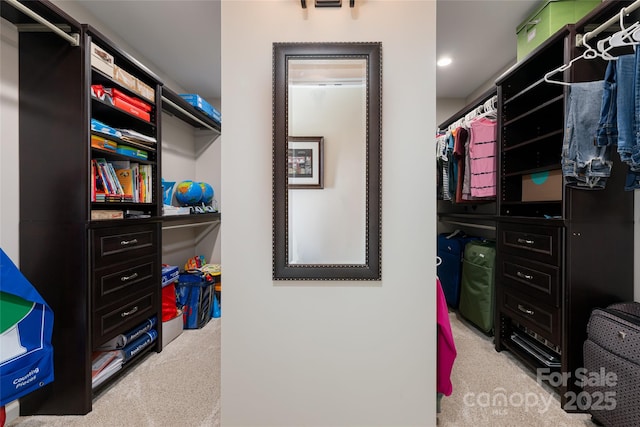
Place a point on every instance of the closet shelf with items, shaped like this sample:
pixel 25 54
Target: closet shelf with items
pixel 99 178
pixel 548 277
pixel 175 105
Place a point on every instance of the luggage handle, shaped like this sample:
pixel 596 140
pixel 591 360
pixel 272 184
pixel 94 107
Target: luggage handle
pixel 524 276
pixel 525 310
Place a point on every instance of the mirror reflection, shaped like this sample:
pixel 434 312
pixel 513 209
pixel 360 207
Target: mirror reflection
pixel 327 161
pixel 327 97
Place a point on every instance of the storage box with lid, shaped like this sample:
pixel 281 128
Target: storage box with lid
pixel 547 19
pixel 542 186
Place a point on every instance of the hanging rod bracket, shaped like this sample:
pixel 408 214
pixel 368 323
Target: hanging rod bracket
pixel 73 39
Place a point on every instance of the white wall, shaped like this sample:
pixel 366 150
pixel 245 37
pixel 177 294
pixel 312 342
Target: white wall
pixel 329 353
pixel 9 194
pixel 447 107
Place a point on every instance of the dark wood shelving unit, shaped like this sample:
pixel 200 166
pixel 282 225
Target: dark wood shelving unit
pixel 55 109
pixel 556 254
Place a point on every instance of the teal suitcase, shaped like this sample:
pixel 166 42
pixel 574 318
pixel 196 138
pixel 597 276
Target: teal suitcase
pixel 477 286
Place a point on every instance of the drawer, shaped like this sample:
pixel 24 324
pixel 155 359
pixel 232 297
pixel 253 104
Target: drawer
pixel 120 280
pixel 119 317
pixel 540 318
pixel 530 241
pixel 540 281
pixel 120 244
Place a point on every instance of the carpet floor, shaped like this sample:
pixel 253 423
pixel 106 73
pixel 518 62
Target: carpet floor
pixel 481 377
pixel 180 387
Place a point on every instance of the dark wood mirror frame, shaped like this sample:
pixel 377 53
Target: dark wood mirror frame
pixel 371 269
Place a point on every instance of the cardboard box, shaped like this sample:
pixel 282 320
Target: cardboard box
pixel 124 78
pixel 170 274
pixel 101 60
pixel 145 91
pixel 171 329
pixel 542 186
pixel 549 18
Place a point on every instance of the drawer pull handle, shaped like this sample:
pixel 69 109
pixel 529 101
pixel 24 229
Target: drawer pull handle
pixel 127 313
pixel 128 242
pixel 524 276
pixel 525 310
pixel 127 278
pixel 526 241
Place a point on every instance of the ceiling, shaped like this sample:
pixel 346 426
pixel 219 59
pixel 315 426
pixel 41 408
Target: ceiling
pixel 478 34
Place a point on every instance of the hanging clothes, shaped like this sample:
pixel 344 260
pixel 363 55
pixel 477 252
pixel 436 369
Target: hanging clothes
pixel 482 156
pixel 460 139
pixel 585 165
pixel 446 346
pixel 618 114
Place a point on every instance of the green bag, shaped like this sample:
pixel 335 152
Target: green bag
pixel 477 287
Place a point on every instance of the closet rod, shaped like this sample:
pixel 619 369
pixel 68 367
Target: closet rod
pixel 614 19
pixel 73 38
pixel 469 224
pixel 171 227
pixel 177 107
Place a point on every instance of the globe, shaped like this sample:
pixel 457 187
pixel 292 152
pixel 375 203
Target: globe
pixel 188 193
pixel 207 193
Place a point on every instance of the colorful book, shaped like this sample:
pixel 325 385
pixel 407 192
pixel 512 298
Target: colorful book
pixel 125 176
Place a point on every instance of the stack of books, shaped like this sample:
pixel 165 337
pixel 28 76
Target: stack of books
pixel 121 181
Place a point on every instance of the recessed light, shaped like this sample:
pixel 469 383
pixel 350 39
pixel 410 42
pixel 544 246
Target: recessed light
pixel 444 61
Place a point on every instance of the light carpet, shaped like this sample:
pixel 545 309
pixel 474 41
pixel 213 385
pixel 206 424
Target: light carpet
pixel 481 376
pixel 179 386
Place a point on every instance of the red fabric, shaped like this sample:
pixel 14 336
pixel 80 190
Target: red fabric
pixel 446 346
pixel 169 307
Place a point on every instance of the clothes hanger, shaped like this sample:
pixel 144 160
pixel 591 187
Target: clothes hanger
pixel 590 53
pixel 626 35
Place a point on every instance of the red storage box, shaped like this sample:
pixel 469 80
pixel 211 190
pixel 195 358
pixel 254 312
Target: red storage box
pixel 131 100
pixel 132 109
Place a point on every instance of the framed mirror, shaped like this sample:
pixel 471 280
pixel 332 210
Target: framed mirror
pixel 327 158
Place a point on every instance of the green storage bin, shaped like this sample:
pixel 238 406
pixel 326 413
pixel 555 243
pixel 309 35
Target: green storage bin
pixel 549 18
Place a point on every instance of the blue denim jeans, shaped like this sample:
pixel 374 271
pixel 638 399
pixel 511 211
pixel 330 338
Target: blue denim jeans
pixel 619 120
pixel 585 165
pixel 626 104
pixel 607 133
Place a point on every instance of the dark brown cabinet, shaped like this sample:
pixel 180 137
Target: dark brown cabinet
pixel 559 258
pixel 100 277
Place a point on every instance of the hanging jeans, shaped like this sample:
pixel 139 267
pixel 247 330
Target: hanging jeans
pixel 585 165
pixel 618 125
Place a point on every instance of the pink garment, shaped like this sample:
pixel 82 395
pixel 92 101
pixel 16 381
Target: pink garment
pixel 446 347
pixel 482 156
